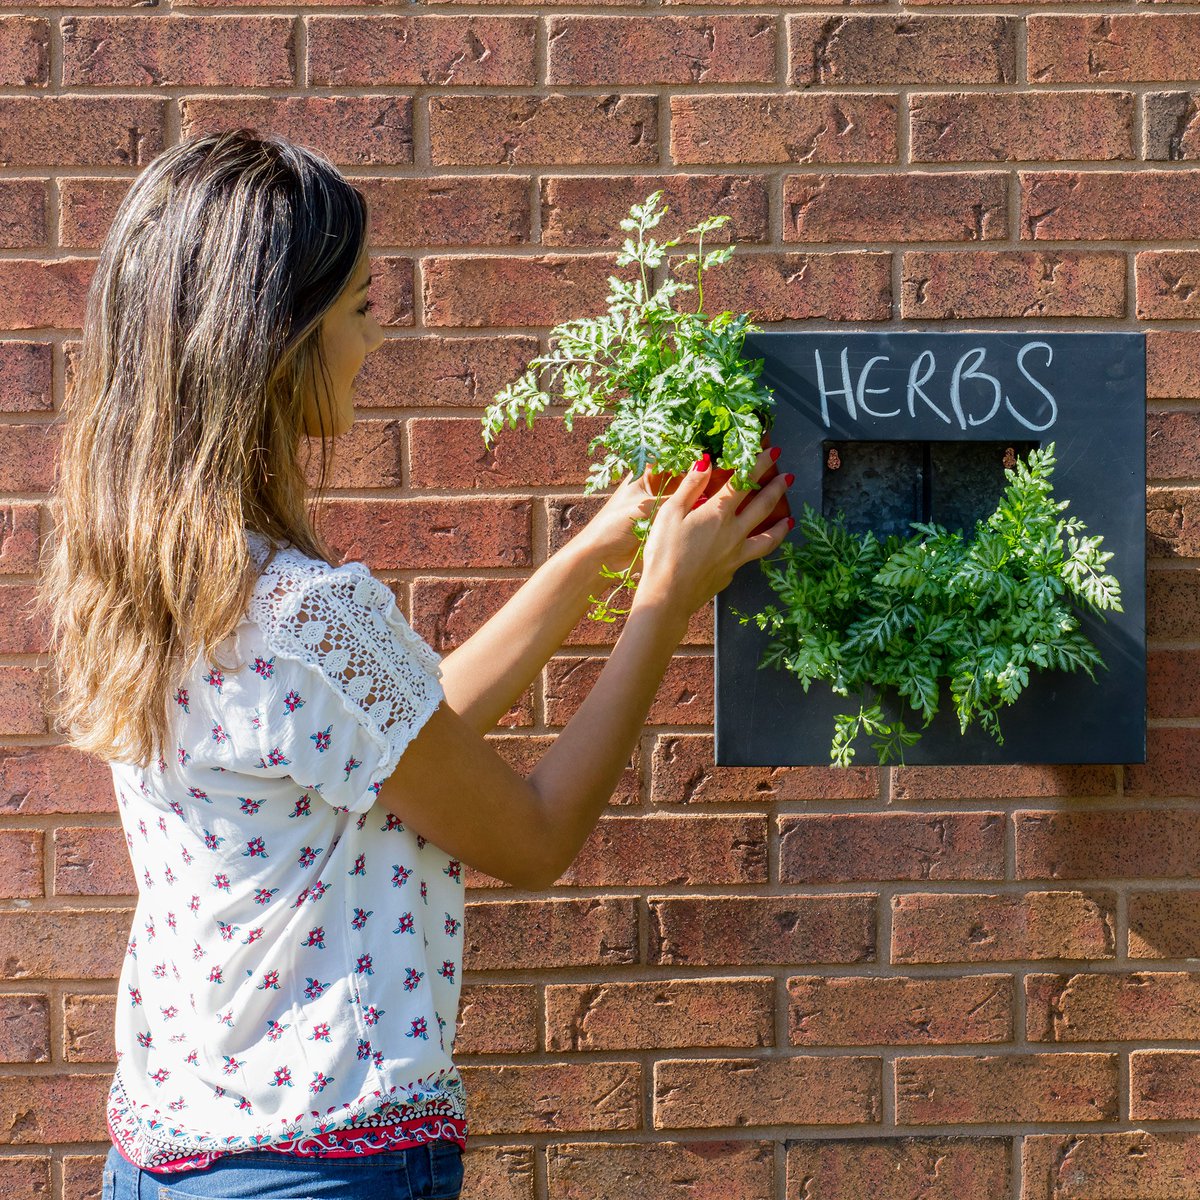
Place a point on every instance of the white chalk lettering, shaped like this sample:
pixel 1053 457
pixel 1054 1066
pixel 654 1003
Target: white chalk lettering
pixel 883 391
pixel 915 385
pixel 1049 398
pixel 846 389
pixel 971 373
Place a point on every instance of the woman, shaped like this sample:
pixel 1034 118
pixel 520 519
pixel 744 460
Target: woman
pixel 300 777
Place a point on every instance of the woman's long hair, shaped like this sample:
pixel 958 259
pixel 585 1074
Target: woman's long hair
pixel 183 422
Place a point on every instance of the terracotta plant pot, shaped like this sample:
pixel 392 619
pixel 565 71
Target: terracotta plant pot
pixel 720 476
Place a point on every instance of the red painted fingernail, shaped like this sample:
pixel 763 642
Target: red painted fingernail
pixel 701 463
pixel 776 451
pixel 791 522
pixel 789 479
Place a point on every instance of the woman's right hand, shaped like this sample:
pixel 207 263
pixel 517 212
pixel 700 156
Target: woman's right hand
pixel 692 553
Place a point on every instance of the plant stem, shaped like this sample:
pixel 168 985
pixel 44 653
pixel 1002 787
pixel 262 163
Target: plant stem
pixel 601 606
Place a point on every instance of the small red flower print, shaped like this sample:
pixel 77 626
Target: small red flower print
pixel 263 895
pixel 182 756
pixel 176 808
pixel 454 870
pixel 316 937
pixel 160 1076
pixel 253 936
pixel 170 1012
pixel 181 698
pixel 276 758
pixel 255 848
pixel 362 820
pixel 420 842
pixel 159 971
pixel 214 678
pixel 275 1030
pixel 216 975
pixel 283 1077
pixel 192 1058
pixel 451 926
pixel 129 839
pixel 212 841
pixel 145 1039
pixel 250 806
pixel 225 1018
pixel 424 891
pixel 308 856
pixel 404 924
pixel 293 700
pixel 218 734
pixel 303 808
pixel 131 948
pixel 319 1083
pixel 169 875
pixel 199 794
pixel 264 667
pixel 177 1105
pixel 270 981
pixel 244 1105
pixel 400 875
pixel 377 1058
pixel 135 996
pixel 321 739
pixel 315 988
pixel 300 899
pixel 146 876
pixel 185 854
pixel 232 1066
pixel 142 828
pixel 360 917
pixel 391 822
pixel 318 889
pixel 360 866
pixel 412 978
pixel 221 881
pixel 418 1029
pixel 198 952
pixel 364 965
pixel 446 970
pixel 149 927
pixel 364 1048
pixel 162 824
pixel 226 929
pixel 351 764
pixel 371 1014
pixel 320 1032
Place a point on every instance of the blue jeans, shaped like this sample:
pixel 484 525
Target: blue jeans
pixel 430 1172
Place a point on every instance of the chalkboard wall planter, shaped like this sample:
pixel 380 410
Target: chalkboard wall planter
pixel 896 427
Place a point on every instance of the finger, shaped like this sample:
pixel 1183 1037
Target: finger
pixel 761 465
pixel 690 487
pixel 763 543
pixel 762 503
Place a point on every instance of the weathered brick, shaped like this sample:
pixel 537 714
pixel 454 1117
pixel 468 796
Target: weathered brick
pixel 1164 923
pixel 24 51
pixel 1112 205
pixel 44 1110
pixel 952 284
pixel 396 535
pixel 734 129
pixel 1107 1006
pixel 35 780
pixel 529 130
pixel 685 696
pixel 969 927
pixel 898 1011
pixel 396 50
pixel 900 48
pixel 19 537
pixel 88 1028
pixel 1171 126
pixel 500 1172
pixel 1172 767
pixel 358 130
pixel 759 930
pixel 497 1018
pixel 1157 843
pixel 39 294
pixel 586 51
pixel 1168 284
pixel 1173 603
pixel 27 456
pixel 22 703
pixel 837 848
pixel 24 1029
pixel 81 131
pixel 87 208
pixel 1172 522
pixel 555 1097
pixel 1172 683
pixel 710 1169
pixel 1172 364
pixel 944 1089
pixel 82 944
pixel 586 210
pixel 26 373
pixel 1108 1166
pixel 20 632
pixel 82 1176
pixel 25 226
pixel 660 1014
pixel 699 1093
pixel 898 1168
pixel 909 207
pixel 1006 126
pixel 663 849
pixel 1116 48
pixel 21 863
pixel 912 785
pixel 1171 449
pixel 174 51
pixel 1164 1085
pixel 511 934
pixel 448 210
pixel 26 1177
pixel 367 455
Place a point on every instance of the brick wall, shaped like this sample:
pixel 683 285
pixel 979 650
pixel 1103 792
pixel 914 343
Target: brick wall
pixel 801 983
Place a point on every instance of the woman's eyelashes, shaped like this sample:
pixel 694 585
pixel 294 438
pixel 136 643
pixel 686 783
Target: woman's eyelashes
pixel 366 308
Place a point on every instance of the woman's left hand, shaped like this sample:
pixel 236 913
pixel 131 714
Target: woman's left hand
pixel 610 532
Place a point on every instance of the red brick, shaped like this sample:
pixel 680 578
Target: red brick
pixel 900 48
pixel 970 927
pixel 1168 284
pixel 22 691
pixel 711 1170
pixel 1171 450
pixel 41 1110
pixel 685 696
pixel 639 51
pixel 1172 364
pixel 87 208
pixel 1113 1007
pixel 1164 1085
pixel 26 1177
pixel 586 210
pixel 24 1029
pixel 1171 126
pixel 397 535
pixel 512 934
pixel 1164 923
pixel 20 631
pixel 36 780
pixel 660 1014
pixel 21 863
pixel 367 455
pixel 952 284
pixel 1022 126
pixel 1172 767
pixel 81 944
pixel 1172 685
pixel 448 210
pixel 897 1011
pixel 899 1168
pixel 700 1093
pixel 529 130
pixel 706 931
pixel 395 50
pixel 909 207
pixel 1088 1166
pixel 39 294
pixel 351 130
pixel 82 131
pixel 171 51
pixel 27 456
pixel 1122 48
pixel 24 51
pixel 555 1097
pixel 783 128
pixel 833 848
pixel 93 862
pixel 496 1018
pixel 26 373
pixel 1172 522
pixel 25 226
pixel 1173 604
pixel 999 782
pixel 82 1178
pixel 1153 843
pixel 88 1028
pixel 1113 205
pixel 1009 1088
pixel 683 772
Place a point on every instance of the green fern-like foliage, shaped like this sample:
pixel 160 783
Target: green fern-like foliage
pixel 906 615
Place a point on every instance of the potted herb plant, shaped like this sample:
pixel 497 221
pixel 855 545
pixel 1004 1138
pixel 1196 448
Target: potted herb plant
pixel 901 617
pixel 674 382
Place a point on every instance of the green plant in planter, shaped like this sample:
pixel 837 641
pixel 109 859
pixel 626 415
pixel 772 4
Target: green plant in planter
pixel 905 614
pixel 674 381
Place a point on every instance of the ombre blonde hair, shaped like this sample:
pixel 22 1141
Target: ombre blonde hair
pixel 183 422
